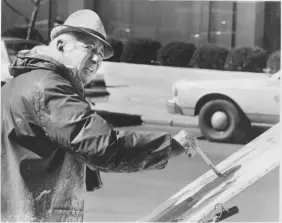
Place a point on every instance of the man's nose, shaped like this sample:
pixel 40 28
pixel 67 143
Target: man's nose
pixel 95 58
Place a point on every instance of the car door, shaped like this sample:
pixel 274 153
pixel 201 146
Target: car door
pixel 5 62
pixel 269 96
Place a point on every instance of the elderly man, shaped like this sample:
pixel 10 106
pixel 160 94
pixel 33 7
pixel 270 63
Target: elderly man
pixel 53 144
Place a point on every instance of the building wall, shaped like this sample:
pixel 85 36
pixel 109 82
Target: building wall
pixel 66 7
pixel 250 24
pixel 190 21
pixel 10 19
pixel 272 34
pixel 60 9
pixel 165 21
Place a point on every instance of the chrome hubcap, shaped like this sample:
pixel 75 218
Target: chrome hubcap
pixel 219 121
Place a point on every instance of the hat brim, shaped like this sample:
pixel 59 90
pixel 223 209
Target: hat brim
pixel 60 29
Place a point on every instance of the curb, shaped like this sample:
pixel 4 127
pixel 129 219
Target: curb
pixel 174 123
pixel 120 119
pixel 125 119
pixel 96 92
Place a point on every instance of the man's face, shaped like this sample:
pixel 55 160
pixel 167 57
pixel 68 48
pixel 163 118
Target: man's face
pixel 85 54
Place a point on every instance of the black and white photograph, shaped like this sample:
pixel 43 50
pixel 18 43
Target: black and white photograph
pixel 140 111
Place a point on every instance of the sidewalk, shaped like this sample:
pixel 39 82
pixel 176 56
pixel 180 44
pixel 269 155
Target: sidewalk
pixel 149 115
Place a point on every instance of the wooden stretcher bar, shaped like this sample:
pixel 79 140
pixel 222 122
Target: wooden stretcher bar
pixel 197 201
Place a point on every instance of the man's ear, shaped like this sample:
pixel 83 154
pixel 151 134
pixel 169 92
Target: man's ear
pixel 60 45
pixel 63 46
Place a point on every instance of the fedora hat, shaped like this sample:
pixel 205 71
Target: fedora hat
pixel 88 22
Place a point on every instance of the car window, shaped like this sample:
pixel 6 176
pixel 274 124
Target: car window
pixel 14 48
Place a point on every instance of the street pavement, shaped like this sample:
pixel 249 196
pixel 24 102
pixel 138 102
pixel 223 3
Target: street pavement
pixel 131 196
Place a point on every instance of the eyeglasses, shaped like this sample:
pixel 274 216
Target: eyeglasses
pixel 96 57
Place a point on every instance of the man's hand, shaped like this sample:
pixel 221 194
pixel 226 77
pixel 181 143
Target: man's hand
pixel 184 143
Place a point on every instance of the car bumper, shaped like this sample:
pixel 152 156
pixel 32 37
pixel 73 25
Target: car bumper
pixel 172 107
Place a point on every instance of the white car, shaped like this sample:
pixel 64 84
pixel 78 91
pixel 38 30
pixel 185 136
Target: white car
pixel 227 108
pixel 10 46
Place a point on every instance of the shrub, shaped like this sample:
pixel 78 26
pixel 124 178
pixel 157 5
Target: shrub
pixel 141 51
pixel 251 59
pixel 273 62
pixel 117 46
pixel 209 56
pixel 176 54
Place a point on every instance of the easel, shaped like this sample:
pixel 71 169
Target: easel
pixel 203 200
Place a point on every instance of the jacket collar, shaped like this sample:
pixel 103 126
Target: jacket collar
pixel 53 60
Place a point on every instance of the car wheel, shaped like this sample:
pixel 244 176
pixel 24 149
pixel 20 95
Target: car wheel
pixel 220 120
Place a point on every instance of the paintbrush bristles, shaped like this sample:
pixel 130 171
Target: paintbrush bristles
pixel 188 141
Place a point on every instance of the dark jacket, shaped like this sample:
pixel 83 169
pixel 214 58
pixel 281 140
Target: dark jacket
pixel 53 144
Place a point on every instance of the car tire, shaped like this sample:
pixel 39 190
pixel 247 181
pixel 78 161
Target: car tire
pixel 236 124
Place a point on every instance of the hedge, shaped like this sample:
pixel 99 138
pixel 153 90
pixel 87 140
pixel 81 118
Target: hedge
pixel 140 51
pixel 251 59
pixel 206 56
pixel 118 47
pixel 209 56
pixel 273 62
pixel 176 54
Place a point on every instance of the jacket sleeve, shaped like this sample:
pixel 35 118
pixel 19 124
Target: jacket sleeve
pixel 69 121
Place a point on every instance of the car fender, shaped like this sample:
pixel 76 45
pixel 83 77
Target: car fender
pixel 195 97
pixel 255 96
pixel 213 96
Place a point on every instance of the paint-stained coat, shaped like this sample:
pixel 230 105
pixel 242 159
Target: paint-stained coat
pixel 53 144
